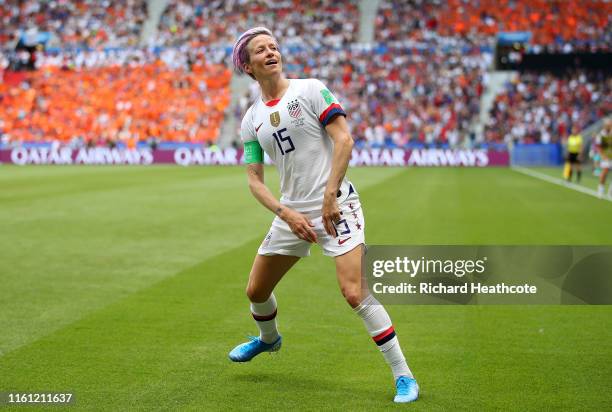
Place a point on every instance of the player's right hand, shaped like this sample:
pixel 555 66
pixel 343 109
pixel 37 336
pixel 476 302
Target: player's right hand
pixel 299 224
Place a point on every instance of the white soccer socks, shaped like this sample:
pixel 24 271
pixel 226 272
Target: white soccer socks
pixel 601 188
pixel 378 324
pixel 265 316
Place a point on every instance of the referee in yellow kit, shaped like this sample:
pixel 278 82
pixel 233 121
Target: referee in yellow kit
pixel 574 155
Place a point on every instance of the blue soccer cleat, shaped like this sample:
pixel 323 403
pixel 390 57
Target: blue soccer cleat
pixel 248 350
pixel 407 390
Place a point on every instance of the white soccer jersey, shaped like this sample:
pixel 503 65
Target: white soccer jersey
pixel 291 130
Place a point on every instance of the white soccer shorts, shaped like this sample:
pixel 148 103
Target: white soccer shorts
pixel 280 240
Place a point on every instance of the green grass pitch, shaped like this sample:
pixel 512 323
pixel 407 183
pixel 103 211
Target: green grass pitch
pixel 125 286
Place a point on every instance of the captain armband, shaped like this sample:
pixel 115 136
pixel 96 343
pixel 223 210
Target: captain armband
pixel 253 152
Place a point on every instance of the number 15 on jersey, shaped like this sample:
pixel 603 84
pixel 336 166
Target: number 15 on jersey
pixel 282 141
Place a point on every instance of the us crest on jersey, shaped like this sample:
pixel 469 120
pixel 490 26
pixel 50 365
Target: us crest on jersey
pixel 294 108
pixel 275 119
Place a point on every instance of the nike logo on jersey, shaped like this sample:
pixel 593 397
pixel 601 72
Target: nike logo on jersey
pixel 341 242
pixel 258 127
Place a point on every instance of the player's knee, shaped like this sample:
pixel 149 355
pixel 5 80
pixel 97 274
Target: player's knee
pixel 255 295
pixel 352 296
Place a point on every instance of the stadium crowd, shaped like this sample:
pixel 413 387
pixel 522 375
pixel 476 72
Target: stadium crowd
pixel 310 23
pixel 421 83
pixel 559 26
pixel 108 104
pixel 72 24
pixel 543 108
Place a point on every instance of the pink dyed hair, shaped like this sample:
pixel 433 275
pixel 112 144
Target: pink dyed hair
pixel 240 53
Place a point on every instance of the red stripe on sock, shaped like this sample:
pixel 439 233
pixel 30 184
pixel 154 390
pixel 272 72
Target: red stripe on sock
pixel 260 318
pixel 384 334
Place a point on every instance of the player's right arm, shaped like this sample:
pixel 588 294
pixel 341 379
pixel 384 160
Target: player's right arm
pixel 299 224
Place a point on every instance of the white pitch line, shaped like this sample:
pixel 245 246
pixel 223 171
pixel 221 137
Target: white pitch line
pixel 559 182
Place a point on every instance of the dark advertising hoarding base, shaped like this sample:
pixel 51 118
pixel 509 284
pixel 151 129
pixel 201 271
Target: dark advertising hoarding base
pixel 230 156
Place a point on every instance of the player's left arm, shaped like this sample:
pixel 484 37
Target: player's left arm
pixel 339 132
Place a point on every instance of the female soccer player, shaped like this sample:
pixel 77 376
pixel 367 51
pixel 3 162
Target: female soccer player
pixel 604 147
pixel 301 126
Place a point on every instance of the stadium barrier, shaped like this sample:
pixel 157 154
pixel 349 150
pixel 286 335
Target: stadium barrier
pixel 230 156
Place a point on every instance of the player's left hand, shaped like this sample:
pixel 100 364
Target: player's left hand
pixel 330 214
